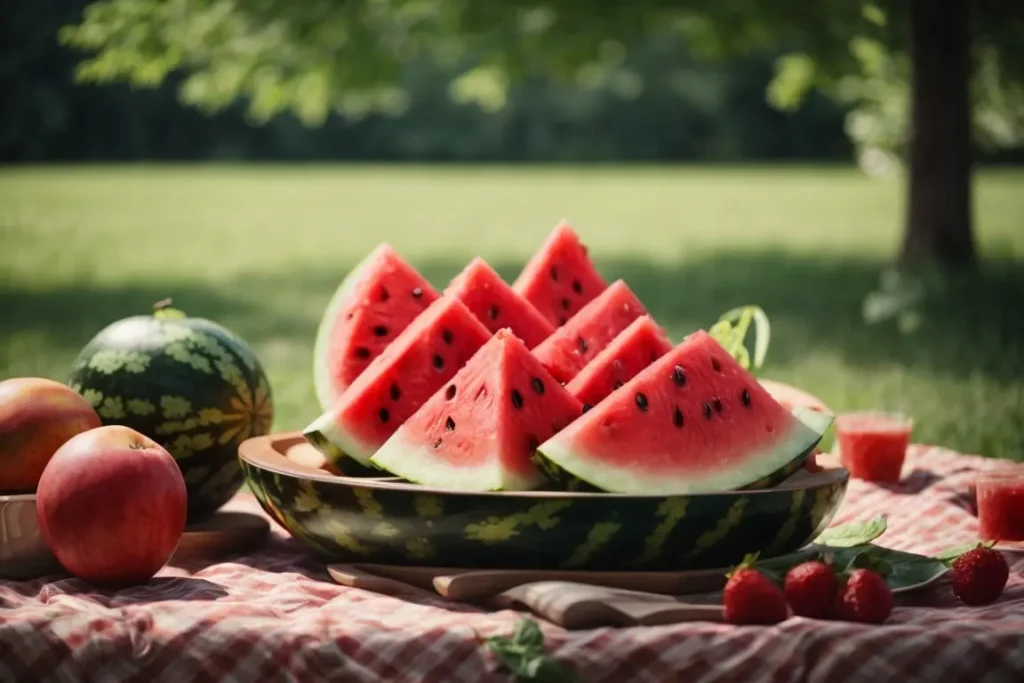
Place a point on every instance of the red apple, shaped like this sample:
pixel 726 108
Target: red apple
pixel 36 417
pixel 112 505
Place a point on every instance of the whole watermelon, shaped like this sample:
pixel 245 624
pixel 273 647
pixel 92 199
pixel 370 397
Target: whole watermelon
pixel 187 383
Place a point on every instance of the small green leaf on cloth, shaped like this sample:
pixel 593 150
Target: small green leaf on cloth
pixel 858 532
pixel 524 655
pixel 950 554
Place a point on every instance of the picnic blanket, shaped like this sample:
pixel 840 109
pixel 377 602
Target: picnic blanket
pixel 274 615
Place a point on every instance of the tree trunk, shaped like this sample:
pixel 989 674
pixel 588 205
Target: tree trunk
pixel 938 228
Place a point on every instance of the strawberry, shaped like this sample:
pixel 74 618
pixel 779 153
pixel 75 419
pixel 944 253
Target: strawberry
pixel 810 589
pixel 979 575
pixel 750 597
pixel 864 597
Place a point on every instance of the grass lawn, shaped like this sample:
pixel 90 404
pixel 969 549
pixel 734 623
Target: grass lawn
pixel 261 249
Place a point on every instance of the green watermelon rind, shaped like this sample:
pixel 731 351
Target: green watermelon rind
pixel 415 463
pixel 339 447
pixel 321 373
pixel 171 378
pixel 775 466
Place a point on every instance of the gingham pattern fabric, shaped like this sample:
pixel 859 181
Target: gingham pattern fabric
pixel 275 616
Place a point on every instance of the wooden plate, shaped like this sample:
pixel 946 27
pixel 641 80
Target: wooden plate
pixel 389 521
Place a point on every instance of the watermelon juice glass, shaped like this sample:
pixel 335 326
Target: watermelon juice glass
pixel 1001 504
pixel 872 445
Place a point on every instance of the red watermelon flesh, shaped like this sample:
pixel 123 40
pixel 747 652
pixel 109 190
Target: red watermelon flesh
pixel 423 357
pixel 560 278
pixel 578 342
pixel 370 308
pixel 479 431
pixel 694 421
pixel 636 347
pixel 496 305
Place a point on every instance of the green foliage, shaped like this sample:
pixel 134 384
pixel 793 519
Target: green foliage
pixel 853 533
pixel 314 58
pixel 524 655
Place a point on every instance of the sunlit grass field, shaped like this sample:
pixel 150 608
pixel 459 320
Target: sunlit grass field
pixel 261 249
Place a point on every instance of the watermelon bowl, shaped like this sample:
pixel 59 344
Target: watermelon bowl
pixel 386 520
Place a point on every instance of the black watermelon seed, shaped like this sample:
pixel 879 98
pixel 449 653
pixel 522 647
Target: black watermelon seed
pixel 554 273
pixel 618 383
pixel 384 295
pixel 641 402
pixel 517 399
pixel 380 331
pixel 745 397
pixel 677 418
pixel 492 312
pixel 384 415
pixel 447 336
pixel 396 393
pixel 538 386
pixel 450 393
pixel 438 361
pixel 707 410
pixel 532 443
pixel 449 423
pixel 437 444
pixel 717 405
pixel 417 292
pixel 715 365
pixel 363 352
pixel 562 320
pixel 582 343
pixel 577 287
pixel 586 407
pixel 565 304
pixel 679 375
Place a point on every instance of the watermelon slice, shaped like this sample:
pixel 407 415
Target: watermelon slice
pixel 370 308
pixel 636 347
pixel 479 431
pixel 559 279
pixel 692 422
pixel 423 357
pixel 579 341
pixel 496 305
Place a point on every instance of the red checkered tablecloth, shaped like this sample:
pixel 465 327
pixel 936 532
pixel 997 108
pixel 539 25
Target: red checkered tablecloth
pixel 274 615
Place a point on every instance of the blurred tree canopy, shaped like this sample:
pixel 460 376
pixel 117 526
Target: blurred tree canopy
pixel 924 77
pixel 686 109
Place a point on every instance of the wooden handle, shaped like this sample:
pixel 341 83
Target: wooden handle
pixel 470 586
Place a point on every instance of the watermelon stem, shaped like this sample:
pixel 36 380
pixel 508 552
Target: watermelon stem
pixel 164 310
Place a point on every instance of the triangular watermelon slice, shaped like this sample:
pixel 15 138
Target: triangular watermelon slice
pixel 579 341
pixel 497 305
pixel 478 432
pixel 370 308
pixel 636 347
pixel 694 421
pixel 423 357
pixel 560 278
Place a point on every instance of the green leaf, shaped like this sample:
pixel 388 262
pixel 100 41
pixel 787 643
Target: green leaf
pixel 950 554
pixel 524 655
pixel 869 558
pixel 853 533
pixel 902 570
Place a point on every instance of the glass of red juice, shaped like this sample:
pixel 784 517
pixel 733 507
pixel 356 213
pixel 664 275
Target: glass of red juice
pixel 1001 504
pixel 872 444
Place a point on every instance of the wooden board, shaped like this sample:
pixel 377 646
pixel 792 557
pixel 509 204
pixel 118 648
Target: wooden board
pixel 224 532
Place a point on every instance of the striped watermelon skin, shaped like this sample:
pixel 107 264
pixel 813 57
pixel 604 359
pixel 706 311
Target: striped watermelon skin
pixel 362 520
pixel 189 384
